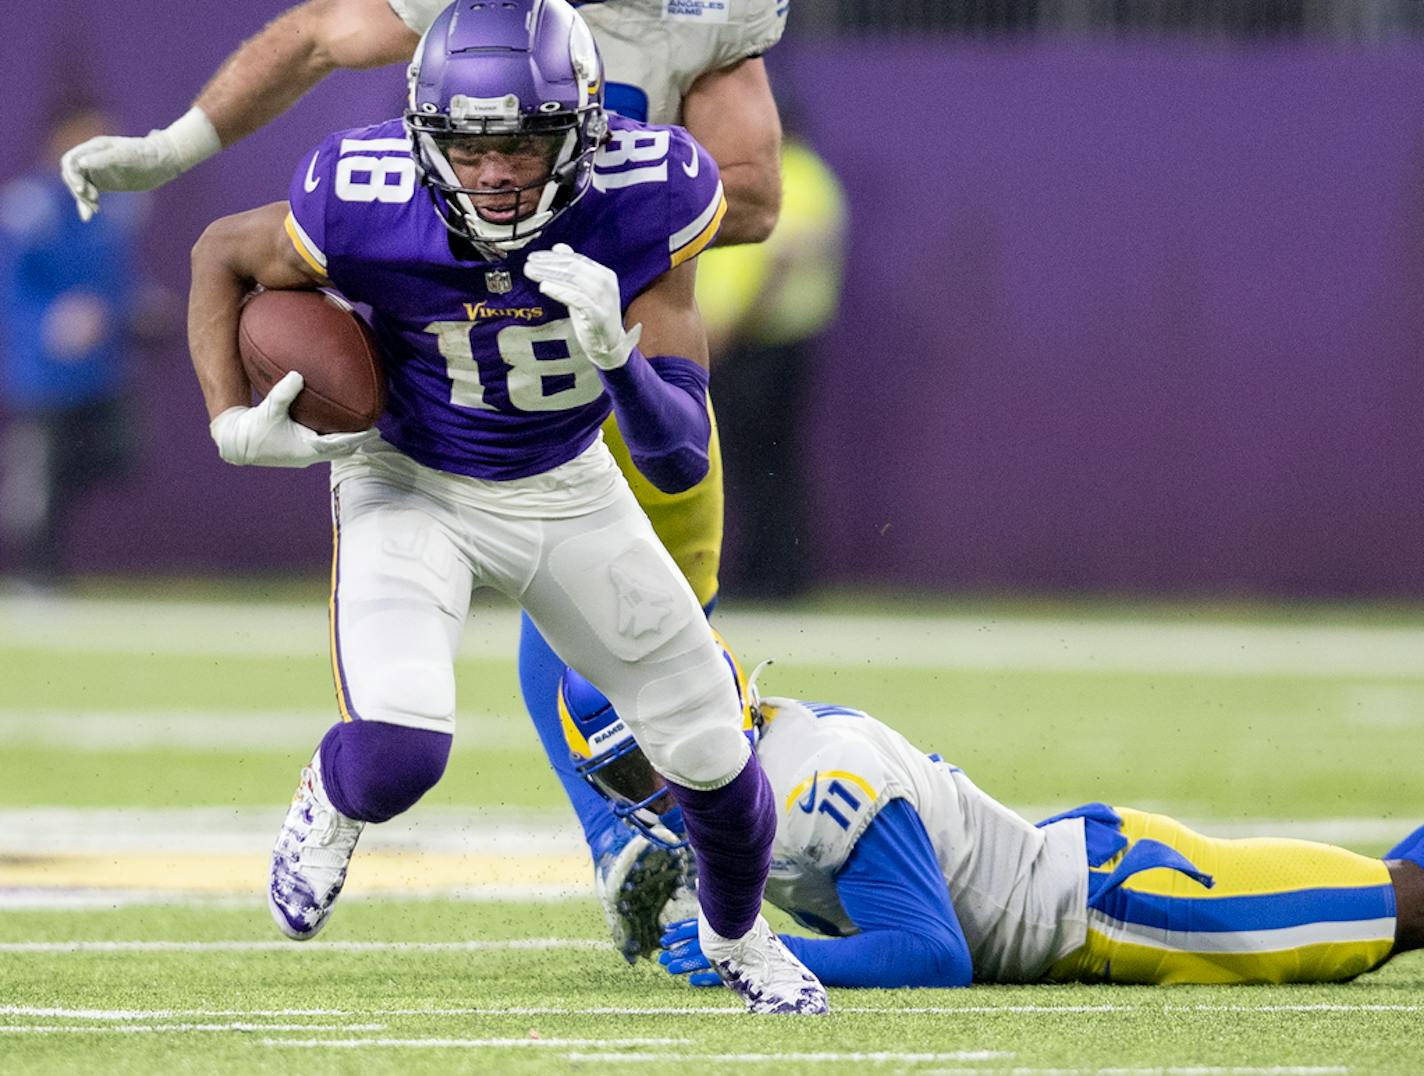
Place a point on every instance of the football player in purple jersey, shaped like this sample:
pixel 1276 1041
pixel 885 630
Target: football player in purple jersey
pixel 695 63
pixel 506 233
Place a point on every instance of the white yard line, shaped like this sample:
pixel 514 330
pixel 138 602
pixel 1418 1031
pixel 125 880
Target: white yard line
pixel 230 730
pixel 820 1056
pixel 876 1057
pixel 730 1009
pixel 1215 1070
pixel 457 1043
pixel 139 1029
pixel 1137 645
pixel 61 831
pixel 45 899
pixel 1293 1008
pixel 305 950
pixel 53 831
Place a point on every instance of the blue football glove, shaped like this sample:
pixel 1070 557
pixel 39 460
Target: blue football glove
pixel 682 954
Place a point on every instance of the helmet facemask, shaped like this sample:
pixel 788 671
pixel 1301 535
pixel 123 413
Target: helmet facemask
pixel 636 793
pixel 563 143
pixel 524 74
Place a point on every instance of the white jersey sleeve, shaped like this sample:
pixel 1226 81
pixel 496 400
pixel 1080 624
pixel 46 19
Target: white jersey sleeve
pixel 418 14
pixel 654 50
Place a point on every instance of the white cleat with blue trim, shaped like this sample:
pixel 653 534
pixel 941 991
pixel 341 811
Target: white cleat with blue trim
pixel 310 858
pixel 636 881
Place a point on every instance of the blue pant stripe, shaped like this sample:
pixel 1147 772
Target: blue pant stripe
pixel 1265 911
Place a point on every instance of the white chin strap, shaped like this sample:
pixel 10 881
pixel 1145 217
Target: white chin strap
pixel 500 237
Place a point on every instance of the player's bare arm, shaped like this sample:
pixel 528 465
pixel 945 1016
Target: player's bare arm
pixel 733 114
pixel 667 310
pixel 272 69
pixel 267 74
pixel 232 256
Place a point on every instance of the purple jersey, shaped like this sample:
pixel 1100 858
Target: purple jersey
pixel 485 376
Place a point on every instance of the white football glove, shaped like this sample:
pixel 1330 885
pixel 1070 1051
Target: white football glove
pixel 590 291
pixel 111 163
pixel 265 436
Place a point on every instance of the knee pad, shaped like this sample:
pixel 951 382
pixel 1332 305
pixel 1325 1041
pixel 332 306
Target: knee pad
pixel 373 771
pixel 690 725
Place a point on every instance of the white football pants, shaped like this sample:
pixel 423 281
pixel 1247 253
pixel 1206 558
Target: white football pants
pixel 575 549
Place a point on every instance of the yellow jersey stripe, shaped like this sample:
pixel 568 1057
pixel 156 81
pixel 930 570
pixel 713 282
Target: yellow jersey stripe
pixel 336 677
pixel 830 775
pixel 310 252
pixel 685 248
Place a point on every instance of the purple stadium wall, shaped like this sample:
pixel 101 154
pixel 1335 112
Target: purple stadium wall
pixel 1124 317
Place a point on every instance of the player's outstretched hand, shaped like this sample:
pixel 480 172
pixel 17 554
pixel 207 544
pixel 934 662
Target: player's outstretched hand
pixel 113 163
pixel 682 954
pixel 590 291
pixel 266 436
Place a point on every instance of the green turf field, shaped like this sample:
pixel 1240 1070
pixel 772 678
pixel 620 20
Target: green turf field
pixel 135 732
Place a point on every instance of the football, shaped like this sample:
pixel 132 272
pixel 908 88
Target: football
pixel 327 342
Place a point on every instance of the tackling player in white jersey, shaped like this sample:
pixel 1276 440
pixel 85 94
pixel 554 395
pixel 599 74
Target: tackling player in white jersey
pixel 694 63
pixel 667 61
pixel 915 877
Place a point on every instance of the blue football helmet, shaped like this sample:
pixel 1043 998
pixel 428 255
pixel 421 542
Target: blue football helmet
pixel 518 76
pixel 607 756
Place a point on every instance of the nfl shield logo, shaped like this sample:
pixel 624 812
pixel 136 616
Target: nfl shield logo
pixel 498 281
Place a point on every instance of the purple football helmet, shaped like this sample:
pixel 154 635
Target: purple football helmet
pixel 512 76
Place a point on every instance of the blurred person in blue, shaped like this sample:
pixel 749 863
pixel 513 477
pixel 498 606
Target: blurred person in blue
pixel 914 877
pixel 67 296
pixel 765 308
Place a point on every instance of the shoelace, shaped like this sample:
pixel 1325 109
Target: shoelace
pixel 328 828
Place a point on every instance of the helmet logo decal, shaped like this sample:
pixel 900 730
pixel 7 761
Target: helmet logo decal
pixel 464 108
pixel 615 731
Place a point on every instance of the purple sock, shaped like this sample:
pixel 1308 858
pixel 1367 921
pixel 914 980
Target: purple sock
pixel 731 829
pixel 374 771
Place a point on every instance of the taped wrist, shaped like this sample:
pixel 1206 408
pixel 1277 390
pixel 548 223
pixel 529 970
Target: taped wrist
pixel 192 138
pixel 661 404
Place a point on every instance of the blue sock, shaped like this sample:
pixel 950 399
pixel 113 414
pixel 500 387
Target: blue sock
pixel 539 672
pixel 1411 848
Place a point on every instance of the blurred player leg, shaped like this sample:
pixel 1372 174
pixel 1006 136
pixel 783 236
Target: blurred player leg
pixel 634 879
pixel 400 595
pixel 539 672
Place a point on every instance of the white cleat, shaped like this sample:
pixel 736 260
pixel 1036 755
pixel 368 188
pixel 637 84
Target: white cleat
pixel 310 858
pixel 763 971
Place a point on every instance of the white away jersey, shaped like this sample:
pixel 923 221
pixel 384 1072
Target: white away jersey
pixel 1019 891
pixel 654 50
